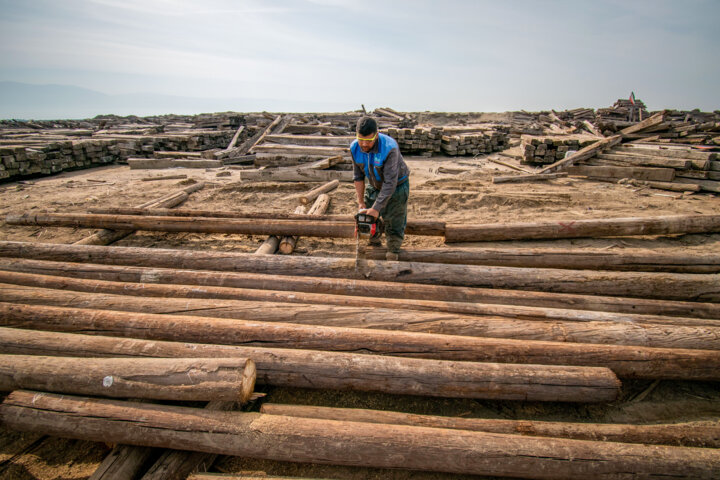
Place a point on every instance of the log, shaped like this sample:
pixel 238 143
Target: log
pixel 602 227
pixel 269 246
pixel 562 258
pixel 652 121
pixel 163 177
pixel 158 163
pixel 310 196
pixel 669 152
pixel 414 226
pixel 313 282
pixel 688 434
pixel 675 286
pixel 273 437
pixel 175 154
pixel 287 244
pixel 672 186
pixel 641 160
pixel 311 140
pixel 342 371
pixel 296 175
pixel 582 154
pixel 705 185
pixel 197 379
pixel 509 165
pixel 596 328
pixel 514 356
pixel 235 138
pixel 325 163
pixel 528 178
pixel 314 129
pixel 641 173
pixel 302 150
pixel 186 224
pixel 123 462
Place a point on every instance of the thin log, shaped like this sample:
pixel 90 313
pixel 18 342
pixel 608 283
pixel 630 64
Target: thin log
pixel 625 361
pixel 198 379
pixel 583 154
pixel 235 138
pixel 528 178
pixel 310 196
pixel 269 246
pixel 163 177
pixel 509 165
pixel 343 371
pixel 320 282
pixel 602 227
pixel 641 173
pixel 297 439
pixel 689 434
pixel 287 244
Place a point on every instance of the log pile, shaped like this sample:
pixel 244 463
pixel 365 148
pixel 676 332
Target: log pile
pixel 474 143
pixel 546 150
pixel 417 141
pixel 623 110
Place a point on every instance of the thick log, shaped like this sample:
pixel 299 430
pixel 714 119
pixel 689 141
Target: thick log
pixel 669 152
pixel 229 379
pixel 186 224
pixel 158 163
pixel 641 173
pixel 311 140
pixel 615 329
pixel 625 361
pixel 310 196
pixel 583 154
pixel 414 226
pixel 602 227
pixel 342 371
pixel 528 178
pixel 296 175
pixel 312 282
pixel 269 246
pixel 297 439
pixel 562 258
pixel 690 434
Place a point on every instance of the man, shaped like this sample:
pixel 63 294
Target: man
pixel 377 157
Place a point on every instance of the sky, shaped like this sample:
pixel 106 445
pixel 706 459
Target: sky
pixel 334 55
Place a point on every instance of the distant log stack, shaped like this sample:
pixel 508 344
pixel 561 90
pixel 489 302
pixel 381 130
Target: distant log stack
pixel 546 150
pixel 474 143
pixel 417 141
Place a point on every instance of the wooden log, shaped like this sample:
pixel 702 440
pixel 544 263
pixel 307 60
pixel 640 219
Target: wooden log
pixel 163 177
pixel 314 129
pixel 296 175
pixel 169 154
pixel 311 140
pixel 582 154
pixel 688 434
pixel 186 224
pixel 509 165
pixel 197 379
pixel 668 152
pixel 269 246
pixel 562 258
pixel 287 244
pixel 250 145
pixel 641 173
pixel 123 462
pixel 349 443
pixel 414 226
pixel 549 357
pixel 325 163
pixel 512 322
pixel 301 150
pixel 652 121
pixel 528 178
pixel 602 227
pixel 667 286
pixel 235 138
pixel 706 185
pixel 158 163
pixel 310 196
pixel 277 160
pixel 671 186
pixel 341 371
pixel 641 160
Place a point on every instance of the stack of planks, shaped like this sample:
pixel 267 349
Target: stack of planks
pixel 474 143
pixel 674 168
pixel 623 110
pixel 423 141
pixel 547 150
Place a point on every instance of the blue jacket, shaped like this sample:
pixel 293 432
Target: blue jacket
pixel 372 163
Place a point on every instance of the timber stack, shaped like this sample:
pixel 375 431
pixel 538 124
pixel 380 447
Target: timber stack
pixel 547 150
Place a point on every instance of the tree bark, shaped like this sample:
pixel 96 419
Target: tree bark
pixel 296 439
pixel 675 286
pixel 123 259
pixel 691 434
pixel 199 379
pixel 310 196
pixel 625 361
pixel 346 371
pixel 269 246
pixel 606 227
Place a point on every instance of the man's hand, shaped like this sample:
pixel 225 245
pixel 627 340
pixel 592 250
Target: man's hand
pixel 361 206
pixel 373 212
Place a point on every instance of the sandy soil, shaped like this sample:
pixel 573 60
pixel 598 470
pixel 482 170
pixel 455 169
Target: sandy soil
pixel 468 197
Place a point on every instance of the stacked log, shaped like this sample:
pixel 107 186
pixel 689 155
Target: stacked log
pixel 417 141
pixel 474 143
pixel 623 110
pixel 547 150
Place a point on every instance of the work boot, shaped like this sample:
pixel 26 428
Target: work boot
pixel 375 242
pixel 391 256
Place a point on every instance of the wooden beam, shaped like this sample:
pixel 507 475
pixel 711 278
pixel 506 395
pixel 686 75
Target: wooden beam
pixel 296 175
pixel 652 121
pixel 640 173
pixel 349 443
pixel 158 163
pixel 528 178
pixel 582 154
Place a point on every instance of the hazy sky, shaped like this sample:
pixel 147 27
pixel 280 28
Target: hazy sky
pixel 448 55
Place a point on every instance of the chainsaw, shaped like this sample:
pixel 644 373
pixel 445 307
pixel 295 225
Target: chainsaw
pixel 368 228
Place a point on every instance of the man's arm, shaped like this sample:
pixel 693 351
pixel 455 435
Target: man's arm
pixel 360 193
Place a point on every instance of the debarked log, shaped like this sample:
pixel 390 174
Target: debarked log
pixel 674 286
pixel 704 434
pixel 197 379
pixel 346 371
pixel 625 361
pixel 297 439
pixel 127 258
pixel 605 227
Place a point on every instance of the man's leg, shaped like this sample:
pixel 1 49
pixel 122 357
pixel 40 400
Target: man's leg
pixel 395 217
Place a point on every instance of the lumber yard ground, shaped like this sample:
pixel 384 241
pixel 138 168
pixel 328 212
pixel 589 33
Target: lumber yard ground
pixel 449 183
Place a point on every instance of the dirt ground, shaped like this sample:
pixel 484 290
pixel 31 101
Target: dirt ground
pixel 467 197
